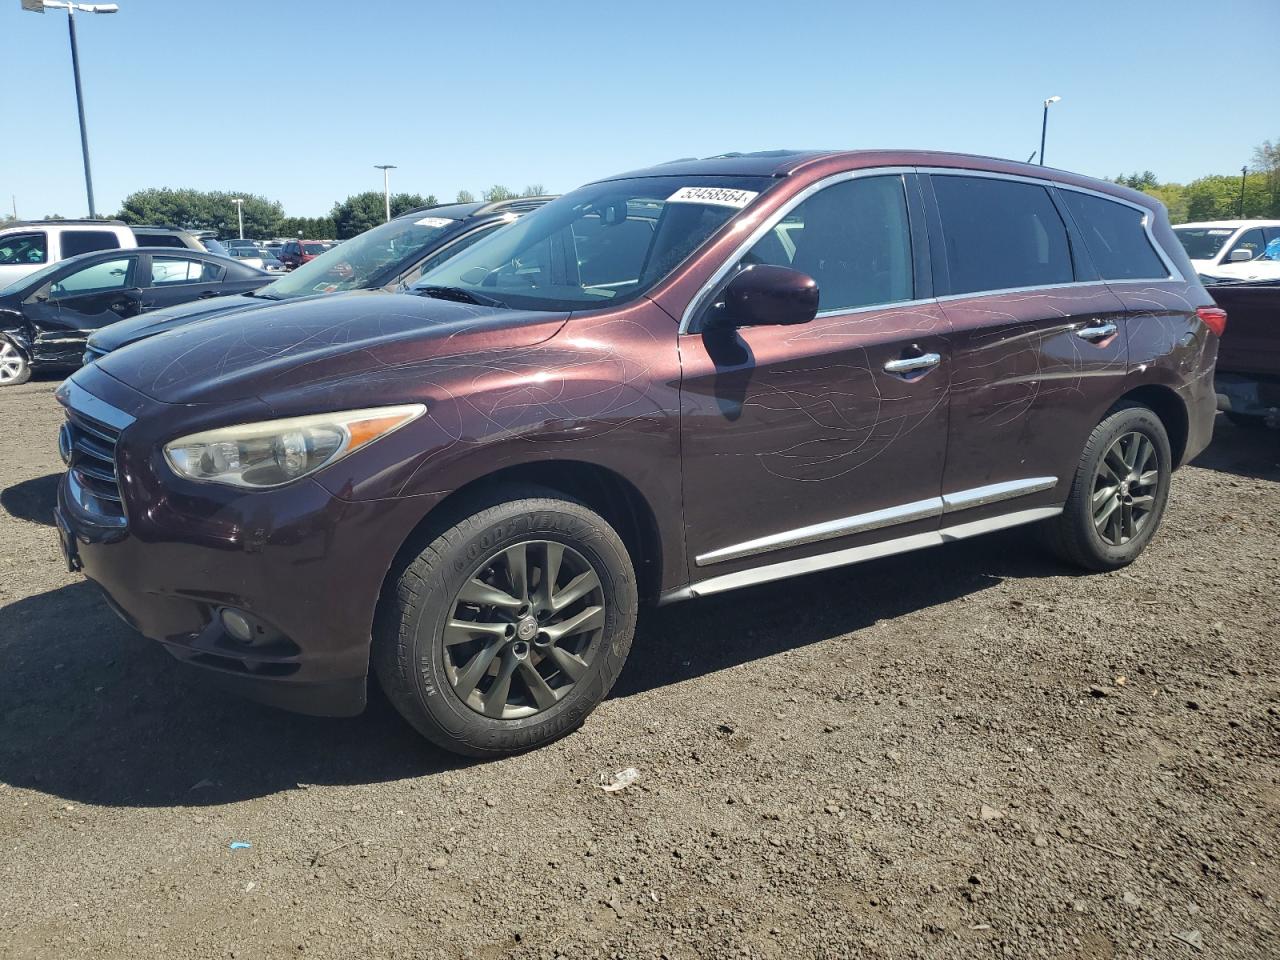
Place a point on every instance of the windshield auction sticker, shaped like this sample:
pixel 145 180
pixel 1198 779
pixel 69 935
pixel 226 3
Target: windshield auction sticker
pixel 433 222
pixel 713 196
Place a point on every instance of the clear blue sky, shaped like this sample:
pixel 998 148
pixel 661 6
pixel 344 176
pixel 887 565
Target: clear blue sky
pixel 297 100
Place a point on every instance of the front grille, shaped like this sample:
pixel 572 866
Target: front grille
pixel 89 447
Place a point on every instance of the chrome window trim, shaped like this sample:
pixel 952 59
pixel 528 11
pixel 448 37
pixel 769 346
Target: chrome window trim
pixel 878 519
pixel 698 299
pixel 851 555
pixel 1173 274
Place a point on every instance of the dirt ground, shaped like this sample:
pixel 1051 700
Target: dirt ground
pixel 969 752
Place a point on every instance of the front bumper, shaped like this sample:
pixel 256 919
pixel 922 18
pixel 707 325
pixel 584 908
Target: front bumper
pixel 307 565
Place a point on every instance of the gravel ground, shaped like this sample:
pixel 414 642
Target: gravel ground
pixel 967 752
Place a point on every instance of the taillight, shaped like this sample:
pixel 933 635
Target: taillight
pixel 1215 318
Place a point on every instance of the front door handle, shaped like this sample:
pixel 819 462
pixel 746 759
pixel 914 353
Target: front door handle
pixel 910 364
pixel 1097 330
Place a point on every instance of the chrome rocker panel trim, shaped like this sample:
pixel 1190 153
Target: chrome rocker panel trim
pixel 840 558
pixel 877 519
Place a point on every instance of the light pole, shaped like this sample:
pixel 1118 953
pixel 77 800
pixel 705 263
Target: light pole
pixel 39 6
pixel 1244 173
pixel 239 214
pixel 386 185
pixel 1044 125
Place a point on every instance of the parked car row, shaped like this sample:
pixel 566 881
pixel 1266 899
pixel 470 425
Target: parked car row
pixel 667 384
pixel 46 316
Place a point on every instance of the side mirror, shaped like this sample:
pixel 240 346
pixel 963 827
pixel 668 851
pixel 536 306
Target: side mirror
pixel 1240 256
pixel 763 295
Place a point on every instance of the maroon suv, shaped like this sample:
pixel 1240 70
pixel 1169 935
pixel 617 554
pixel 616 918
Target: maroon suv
pixel 668 384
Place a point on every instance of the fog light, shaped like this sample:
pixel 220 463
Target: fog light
pixel 237 624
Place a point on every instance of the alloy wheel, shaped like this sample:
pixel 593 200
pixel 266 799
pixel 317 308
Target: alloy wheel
pixel 1124 488
pixel 11 362
pixel 524 629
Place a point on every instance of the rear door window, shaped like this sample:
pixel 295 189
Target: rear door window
pixel 1001 234
pixel 171 271
pixel 1116 237
pixel 24 248
pixel 853 238
pixel 76 242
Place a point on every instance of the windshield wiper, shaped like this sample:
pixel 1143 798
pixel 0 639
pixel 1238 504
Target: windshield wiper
pixel 260 296
pixel 458 295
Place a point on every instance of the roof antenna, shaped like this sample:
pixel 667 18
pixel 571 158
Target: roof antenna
pixel 1032 157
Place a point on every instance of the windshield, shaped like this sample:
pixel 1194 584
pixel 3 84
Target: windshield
pixel 314 249
pixel 1203 243
pixel 605 243
pixel 360 262
pixel 213 246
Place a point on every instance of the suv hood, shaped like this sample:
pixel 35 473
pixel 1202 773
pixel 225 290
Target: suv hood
pixel 124 332
pixel 250 353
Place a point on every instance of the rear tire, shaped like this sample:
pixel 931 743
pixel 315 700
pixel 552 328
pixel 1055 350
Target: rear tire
pixel 1118 494
pixel 14 366
pixel 510 627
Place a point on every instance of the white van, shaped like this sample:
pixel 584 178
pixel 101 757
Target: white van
pixel 1235 249
pixel 26 247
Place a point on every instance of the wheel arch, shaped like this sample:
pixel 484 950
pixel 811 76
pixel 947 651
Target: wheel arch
pixel 1170 408
pixel 600 488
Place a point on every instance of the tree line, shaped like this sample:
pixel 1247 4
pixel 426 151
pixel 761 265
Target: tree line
pixel 214 210
pixel 1255 194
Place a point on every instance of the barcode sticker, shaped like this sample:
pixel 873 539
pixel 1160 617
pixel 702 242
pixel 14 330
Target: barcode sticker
pixel 714 196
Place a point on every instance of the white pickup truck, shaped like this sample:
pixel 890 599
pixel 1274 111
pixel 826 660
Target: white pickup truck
pixel 1233 249
pixel 26 247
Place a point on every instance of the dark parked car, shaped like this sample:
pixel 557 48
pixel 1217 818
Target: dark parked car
pixel 385 258
pixel 46 317
pixel 297 252
pixel 685 380
pixel 1248 372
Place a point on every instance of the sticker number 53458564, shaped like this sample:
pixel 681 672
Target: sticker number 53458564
pixel 715 196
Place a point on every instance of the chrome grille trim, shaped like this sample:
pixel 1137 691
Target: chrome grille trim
pixel 90 434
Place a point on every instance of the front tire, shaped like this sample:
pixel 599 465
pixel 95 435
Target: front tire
pixel 509 628
pixel 14 366
pixel 1119 492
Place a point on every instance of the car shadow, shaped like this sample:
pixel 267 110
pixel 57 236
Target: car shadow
pixel 1244 451
pixel 687 640
pixel 32 500
pixel 95 714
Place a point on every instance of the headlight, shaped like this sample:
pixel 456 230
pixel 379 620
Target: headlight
pixel 258 455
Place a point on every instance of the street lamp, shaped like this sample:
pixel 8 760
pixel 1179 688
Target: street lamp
pixel 386 185
pixel 1044 125
pixel 39 6
pixel 239 214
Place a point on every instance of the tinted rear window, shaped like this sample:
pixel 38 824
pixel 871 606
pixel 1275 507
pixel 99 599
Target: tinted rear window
pixel 1116 238
pixel 1001 234
pixel 75 242
pixel 159 240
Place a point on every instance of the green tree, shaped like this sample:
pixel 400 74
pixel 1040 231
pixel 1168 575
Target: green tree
pixel 1218 197
pixel 364 211
pixel 466 196
pixel 1174 197
pixel 1138 181
pixel 203 210
pixel 498 192
pixel 309 228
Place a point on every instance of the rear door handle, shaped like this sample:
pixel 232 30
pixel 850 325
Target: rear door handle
pixel 1097 331
pixel 910 364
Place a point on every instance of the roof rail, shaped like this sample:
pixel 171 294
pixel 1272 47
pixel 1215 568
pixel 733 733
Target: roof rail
pixel 514 203
pixel 69 220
